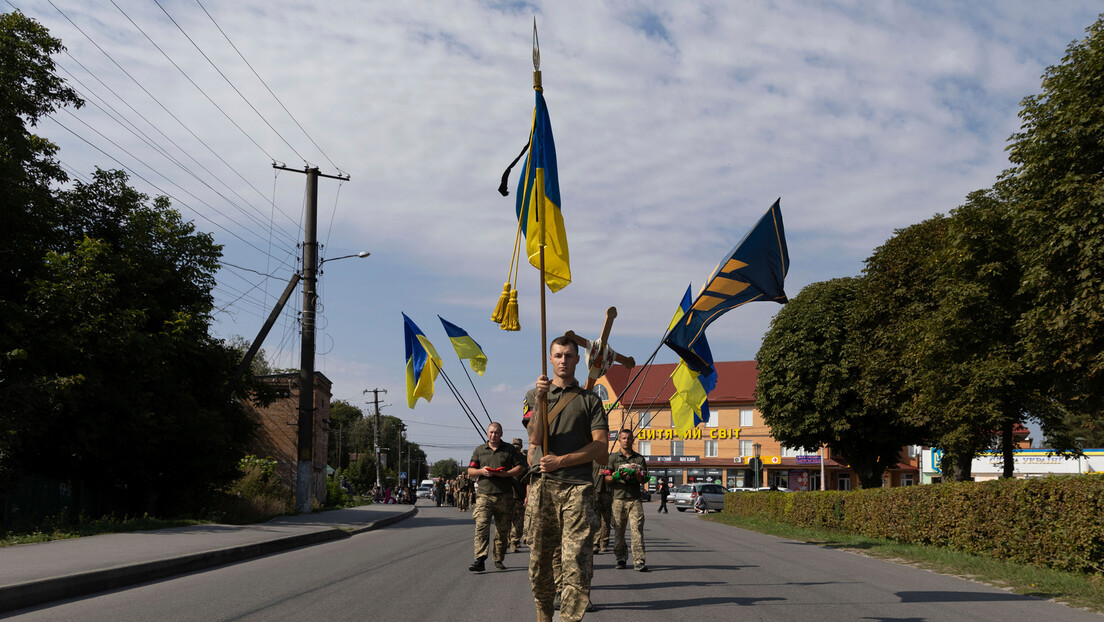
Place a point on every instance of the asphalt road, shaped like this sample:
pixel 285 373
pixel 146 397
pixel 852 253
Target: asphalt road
pixel 417 570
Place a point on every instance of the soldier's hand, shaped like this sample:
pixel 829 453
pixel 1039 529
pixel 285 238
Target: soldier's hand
pixel 550 463
pixel 543 383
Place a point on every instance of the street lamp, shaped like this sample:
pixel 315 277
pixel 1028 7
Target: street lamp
pixel 757 450
pixel 361 254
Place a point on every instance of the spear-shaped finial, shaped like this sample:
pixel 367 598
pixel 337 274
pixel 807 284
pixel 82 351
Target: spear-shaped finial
pixel 536 58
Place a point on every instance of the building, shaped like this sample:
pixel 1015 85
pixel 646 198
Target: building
pixel 1027 463
pixel 278 434
pixel 720 450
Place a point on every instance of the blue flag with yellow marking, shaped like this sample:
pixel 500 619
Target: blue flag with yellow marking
pixel 755 270
pixel 422 363
pixel 690 402
pixel 539 197
pixel 465 346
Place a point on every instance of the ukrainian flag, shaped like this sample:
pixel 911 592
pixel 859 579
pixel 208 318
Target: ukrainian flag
pixel 422 363
pixel 465 346
pixel 754 270
pixel 690 403
pixel 539 197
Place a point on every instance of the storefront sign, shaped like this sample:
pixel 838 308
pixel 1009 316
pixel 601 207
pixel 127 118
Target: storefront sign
pixel 673 459
pixel 808 459
pixel 666 434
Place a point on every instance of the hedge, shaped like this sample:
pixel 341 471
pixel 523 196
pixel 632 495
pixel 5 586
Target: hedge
pixel 1054 522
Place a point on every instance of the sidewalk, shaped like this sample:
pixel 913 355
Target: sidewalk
pixel 31 574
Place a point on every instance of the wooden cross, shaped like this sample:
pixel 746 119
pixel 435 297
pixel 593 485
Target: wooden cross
pixel 627 361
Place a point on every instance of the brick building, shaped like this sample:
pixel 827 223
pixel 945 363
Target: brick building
pixel 277 436
pixel 719 451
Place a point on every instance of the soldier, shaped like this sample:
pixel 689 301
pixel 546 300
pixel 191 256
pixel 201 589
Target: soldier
pixel 604 504
pixel 626 470
pixel 561 499
pixel 496 464
pixel 517 528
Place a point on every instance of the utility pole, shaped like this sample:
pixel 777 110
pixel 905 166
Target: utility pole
pixel 304 472
pixel 375 430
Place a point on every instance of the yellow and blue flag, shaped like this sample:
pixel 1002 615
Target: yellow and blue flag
pixel 465 346
pixel 422 363
pixel 690 402
pixel 754 270
pixel 539 197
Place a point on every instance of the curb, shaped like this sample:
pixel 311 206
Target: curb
pixel 31 593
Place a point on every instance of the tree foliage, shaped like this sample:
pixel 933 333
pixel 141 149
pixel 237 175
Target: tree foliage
pixel 447 468
pixel 1057 183
pixel 109 374
pixel 809 370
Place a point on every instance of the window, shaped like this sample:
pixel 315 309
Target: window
pixel 906 479
pixel 646 420
pixel 710 449
pixel 714 417
pixel 844 481
pixel 746 448
pixel 791 452
pixel 644 448
pixel 676 448
pixel 746 418
pixel 600 391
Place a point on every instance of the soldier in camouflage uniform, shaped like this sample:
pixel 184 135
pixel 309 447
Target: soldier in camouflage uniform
pixel 517 529
pixel 604 503
pixel 561 499
pixel 496 464
pixel 626 470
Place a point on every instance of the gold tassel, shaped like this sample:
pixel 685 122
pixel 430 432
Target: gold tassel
pixel 510 322
pixel 500 309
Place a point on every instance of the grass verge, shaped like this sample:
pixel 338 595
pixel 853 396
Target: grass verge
pixel 1076 590
pixel 63 531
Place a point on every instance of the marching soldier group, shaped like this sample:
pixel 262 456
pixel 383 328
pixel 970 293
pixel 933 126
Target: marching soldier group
pixel 561 499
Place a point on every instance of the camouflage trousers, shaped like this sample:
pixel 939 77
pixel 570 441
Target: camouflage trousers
pixel 500 509
pixel 605 516
pixel 517 526
pixel 563 519
pixel 628 513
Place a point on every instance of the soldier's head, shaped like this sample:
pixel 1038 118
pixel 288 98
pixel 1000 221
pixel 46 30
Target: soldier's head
pixel 517 443
pixel 564 356
pixel 494 434
pixel 625 438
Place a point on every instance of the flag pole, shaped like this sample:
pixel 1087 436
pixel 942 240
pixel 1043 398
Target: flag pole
pixel 542 400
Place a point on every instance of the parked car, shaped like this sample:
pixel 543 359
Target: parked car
pixel 761 488
pixel 686 494
pixel 425 492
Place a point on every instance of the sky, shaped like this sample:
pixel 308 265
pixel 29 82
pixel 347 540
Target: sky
pixel 676 126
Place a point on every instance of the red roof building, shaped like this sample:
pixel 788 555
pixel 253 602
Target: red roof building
pixel 721 450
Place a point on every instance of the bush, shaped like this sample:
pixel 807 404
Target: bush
pixel 1055 522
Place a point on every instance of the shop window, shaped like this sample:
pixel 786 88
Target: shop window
pixel 710 449
pixel 844 481
pixel 746 418
pixel 814 481
pixel 676 448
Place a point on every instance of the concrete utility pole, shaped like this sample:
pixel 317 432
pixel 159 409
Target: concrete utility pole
pixel 305 444
pixel 375 431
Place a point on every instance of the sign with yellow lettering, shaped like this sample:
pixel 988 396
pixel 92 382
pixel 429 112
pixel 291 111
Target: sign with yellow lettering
pixel 667 434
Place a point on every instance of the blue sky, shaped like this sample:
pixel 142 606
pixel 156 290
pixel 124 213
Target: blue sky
pixel 676 125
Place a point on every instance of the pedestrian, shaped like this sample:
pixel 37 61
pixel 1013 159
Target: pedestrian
pixel 496 464
pixel 626 470
pixel 561 499
pixel 664 492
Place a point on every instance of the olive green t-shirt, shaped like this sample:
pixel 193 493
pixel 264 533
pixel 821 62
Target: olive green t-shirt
pixel 630 489
pixel 506 456
pixel 572 429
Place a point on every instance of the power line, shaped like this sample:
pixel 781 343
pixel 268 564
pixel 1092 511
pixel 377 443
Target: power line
pixel 202 53
pixel 269 89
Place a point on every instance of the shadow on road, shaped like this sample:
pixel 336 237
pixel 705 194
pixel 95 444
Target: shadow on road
pixel 687 603
pixel 959 597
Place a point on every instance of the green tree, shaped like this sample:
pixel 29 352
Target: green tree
pixel 343 416
pixel 1057 183
pixel 809 370
pixel 448 468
